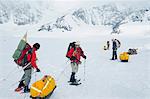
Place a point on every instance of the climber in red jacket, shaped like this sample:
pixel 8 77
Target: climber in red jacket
pixel 31 58
pixel 74 54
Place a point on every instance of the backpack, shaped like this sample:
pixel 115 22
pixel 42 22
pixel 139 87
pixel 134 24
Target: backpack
pixel 132 51
pixel 118 43
pixel 21 53
pixel 71 45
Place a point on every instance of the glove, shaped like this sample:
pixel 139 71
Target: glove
pixel 84 57
pixel 73 58
pixel 38 70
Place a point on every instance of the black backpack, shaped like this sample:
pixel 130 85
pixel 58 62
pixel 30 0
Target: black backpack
pixel 71 45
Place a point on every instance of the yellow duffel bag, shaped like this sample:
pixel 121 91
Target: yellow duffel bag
pixel 124 57
pixel 42 88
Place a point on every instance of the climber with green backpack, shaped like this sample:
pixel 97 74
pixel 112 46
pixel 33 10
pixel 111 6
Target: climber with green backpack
pixel 25 56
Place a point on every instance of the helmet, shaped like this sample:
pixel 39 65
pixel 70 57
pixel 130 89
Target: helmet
pixel 36 45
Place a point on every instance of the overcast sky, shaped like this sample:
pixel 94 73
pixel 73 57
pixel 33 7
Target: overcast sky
pixel 71 4
pixel 65 5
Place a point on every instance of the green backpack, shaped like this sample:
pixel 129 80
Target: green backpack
pixel 23 47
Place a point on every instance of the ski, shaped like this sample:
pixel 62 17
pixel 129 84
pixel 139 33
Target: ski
pixel 75 83
pixel 114 59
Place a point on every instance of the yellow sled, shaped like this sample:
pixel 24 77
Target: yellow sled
pixel 124 57
pixel 43 87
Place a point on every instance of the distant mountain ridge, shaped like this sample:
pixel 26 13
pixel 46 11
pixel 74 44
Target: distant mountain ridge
pixel 105 15
pixel 23 13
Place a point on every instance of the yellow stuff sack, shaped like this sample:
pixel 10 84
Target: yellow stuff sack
pixel 124 57
pixel 43 87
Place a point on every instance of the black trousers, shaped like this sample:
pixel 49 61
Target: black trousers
pixel 114 56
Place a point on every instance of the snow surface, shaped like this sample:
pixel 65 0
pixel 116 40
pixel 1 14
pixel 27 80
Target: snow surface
pixel 101 77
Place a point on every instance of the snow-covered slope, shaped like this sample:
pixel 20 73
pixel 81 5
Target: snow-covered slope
pixel 101 78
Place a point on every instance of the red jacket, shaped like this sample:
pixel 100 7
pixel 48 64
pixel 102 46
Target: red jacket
pixel 33 58
pixel 77 53
pixel 30 57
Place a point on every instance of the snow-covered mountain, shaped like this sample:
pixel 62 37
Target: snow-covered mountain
pixel 24 12
pixel 20 12
pixel 104 15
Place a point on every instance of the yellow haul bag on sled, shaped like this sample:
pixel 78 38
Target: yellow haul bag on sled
pixel 124 57
pixel 43 88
